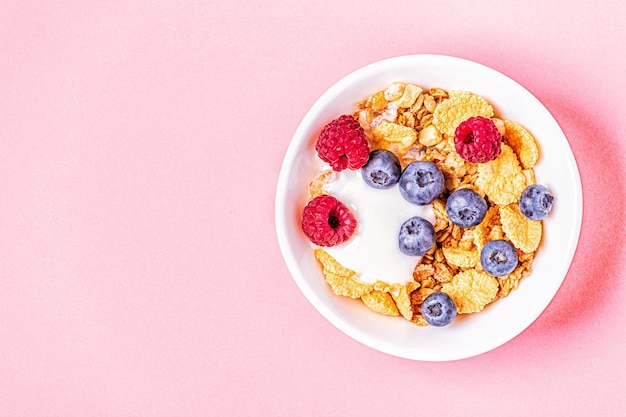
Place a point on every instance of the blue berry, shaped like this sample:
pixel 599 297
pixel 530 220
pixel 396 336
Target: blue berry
pixel 498 257
pixel 466 208
pixel 536 202
pixel 421 182
pixel 416 236
pixel 439 309
pixel 382 170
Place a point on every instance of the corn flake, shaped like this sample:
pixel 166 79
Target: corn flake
pixel 524 234
pixel 377 102
pixel 342 280
pixel 502 179
pixel 483 229
pixel 510 282
pixel 499 125
pixel 393 137
pixel 522 143
pixel 471 290
pixel 385 287
pixel 460 106
pixel 529 174
pixel 394 91
pixel 409 95
pixel 460 257
pixel 380 302
pixel 403 300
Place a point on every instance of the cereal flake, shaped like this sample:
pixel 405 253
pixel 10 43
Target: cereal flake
pixel 380 302
pixel 524 234
pixel 522 143
pixel 471 290
pixel 460 106
pixel 342 280
pixel 403 300
pixel 393 137
pixel 460 257
pixel 502 179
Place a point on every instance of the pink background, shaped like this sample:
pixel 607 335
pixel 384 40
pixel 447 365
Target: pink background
pixel 140 146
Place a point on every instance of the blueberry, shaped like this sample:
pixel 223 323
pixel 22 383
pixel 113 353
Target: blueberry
pixel 498 257
pixel 382 170
pixel 416 236
pixel 536 202
pixel 466 208
pixel 421 182
pixel 439 309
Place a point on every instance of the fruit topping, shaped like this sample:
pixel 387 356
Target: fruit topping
pixel 498 257
pixel 416 236
pixel 326 221
pixel 343 144
pixel 536 202
pixel 421 182
pixel 439 309
pixel 382 170
pixel 466 208
pixel 477 139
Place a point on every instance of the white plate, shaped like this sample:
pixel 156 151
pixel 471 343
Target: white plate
pixel 468 335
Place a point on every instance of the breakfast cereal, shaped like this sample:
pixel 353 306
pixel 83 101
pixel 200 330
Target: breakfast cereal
pixel 420 124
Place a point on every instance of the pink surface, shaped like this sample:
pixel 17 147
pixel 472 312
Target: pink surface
pixel 140 146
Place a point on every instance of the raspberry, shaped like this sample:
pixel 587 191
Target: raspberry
pixel 343 144
pixel 326 221
pixel 477 139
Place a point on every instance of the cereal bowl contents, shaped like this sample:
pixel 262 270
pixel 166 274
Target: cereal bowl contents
pixel 479 137
pixel 472 166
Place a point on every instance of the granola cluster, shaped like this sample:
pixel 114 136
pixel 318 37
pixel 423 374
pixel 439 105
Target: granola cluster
pixel 418 124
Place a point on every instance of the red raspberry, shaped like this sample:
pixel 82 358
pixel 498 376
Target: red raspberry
pixel 343 144
pixel 478 140
pixel 326 221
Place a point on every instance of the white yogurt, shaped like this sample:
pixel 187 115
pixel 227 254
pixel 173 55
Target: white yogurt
pixel 373 250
